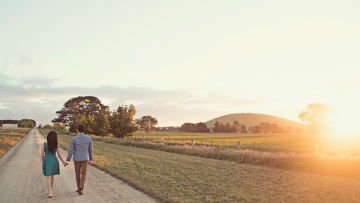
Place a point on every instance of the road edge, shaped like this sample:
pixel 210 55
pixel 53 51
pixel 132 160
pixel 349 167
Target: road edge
pixel 10 153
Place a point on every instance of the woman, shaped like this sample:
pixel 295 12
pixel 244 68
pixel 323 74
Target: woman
pixel 50 165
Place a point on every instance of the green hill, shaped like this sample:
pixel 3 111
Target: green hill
pixel 252 119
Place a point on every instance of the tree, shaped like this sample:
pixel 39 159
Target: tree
pixel 80 110
pixel 75 121
pixel 197 127
pixel 266 127
pixel 201 127
pixel 237 126
pixel 217 127
pixel 315 113
pixel 251 129
pixel 187 127
pixel 122 121
pixel 243 129
pixel 147 123
pixel 26 123
pixel 102 123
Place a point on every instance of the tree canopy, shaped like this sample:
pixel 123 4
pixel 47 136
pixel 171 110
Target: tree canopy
pixel 122 121
pixel 147 123
pixel 315 113
pixel 81 110
pixel 26 123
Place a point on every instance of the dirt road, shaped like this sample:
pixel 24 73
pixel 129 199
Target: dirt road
pixel 21 180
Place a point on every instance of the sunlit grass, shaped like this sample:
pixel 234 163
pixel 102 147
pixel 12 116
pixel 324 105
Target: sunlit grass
pixel 9 137
pixel 177 177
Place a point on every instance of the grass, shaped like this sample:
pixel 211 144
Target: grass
pixel 175 177
pixel 9 137
pixel 293 142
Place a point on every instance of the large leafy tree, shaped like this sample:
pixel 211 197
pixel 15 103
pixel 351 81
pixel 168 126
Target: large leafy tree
pixel 122 121
pixel 102 123
pixel 147 123
pixel 80 110
pixel 197 127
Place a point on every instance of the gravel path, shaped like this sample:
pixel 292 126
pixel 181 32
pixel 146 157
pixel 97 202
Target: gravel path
pixel 21 180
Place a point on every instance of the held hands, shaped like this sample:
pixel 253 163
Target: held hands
pixel 67 163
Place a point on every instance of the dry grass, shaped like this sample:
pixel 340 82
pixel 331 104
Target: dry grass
pixel 9 137
pixel 181 178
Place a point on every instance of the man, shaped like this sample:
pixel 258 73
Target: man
pixel 82 148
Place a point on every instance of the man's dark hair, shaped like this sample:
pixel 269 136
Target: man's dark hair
pixel 81 128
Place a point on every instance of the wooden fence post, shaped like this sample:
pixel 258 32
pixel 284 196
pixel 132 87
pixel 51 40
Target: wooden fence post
pixel 192 142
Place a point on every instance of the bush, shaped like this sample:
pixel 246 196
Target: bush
pixel 26 123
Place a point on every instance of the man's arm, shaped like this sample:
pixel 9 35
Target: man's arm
pixel 71 150
pixel 91 150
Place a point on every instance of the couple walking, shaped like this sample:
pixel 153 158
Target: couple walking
pixel 81 148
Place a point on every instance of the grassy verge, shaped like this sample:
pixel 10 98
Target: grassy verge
pixel 9 137
pixel 175 177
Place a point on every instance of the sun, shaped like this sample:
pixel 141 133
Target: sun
pixel 342 134
pixel 344 125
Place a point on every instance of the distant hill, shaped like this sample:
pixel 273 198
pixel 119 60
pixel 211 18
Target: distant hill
pixel 252 119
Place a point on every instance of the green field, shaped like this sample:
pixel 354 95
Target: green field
pixel 9 137
pixel 295 142
pixel 173 177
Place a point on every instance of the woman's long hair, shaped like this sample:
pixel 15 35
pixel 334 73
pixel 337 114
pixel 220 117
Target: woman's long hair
pixel 52 141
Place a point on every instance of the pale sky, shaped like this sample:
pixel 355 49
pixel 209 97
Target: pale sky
pixel 180 60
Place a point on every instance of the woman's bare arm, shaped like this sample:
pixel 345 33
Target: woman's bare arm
pixel 42 153
pixel 60 156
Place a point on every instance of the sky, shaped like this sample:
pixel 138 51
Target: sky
pixel 180 61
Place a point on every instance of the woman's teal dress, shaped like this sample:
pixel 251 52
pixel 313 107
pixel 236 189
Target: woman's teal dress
pixel 50 165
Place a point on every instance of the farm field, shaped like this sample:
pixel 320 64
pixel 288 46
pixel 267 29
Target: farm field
pixel 294 142
pixel 271 142
pixel 9 137
pixel 181 178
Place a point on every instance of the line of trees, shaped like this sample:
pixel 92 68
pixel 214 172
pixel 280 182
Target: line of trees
pixel 235 127
pixel 98 119
pixel 269 128
pixel 194 127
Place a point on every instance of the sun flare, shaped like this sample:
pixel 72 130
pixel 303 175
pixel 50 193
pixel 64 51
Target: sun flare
pixel 345 123
pixel 344 127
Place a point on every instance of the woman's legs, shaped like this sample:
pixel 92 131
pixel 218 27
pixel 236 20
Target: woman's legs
pixel 52 182
pixel 48 184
